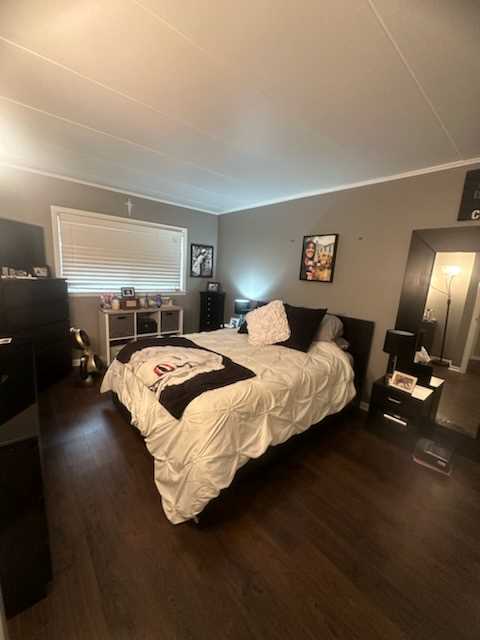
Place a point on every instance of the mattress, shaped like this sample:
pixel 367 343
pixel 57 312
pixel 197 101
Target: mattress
pixel 220 430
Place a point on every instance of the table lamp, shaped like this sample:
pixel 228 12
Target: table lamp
pixel 398 344
pixel 241 307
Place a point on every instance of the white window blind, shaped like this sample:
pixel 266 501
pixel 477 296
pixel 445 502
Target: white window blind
pixel 99 253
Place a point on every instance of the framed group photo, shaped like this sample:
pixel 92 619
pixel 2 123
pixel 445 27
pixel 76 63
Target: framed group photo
pixel 201 261
pixel 318 257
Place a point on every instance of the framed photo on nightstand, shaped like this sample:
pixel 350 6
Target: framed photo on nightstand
pixel 403 381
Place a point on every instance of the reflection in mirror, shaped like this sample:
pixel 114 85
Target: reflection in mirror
pixel 448 314
pixel 440 302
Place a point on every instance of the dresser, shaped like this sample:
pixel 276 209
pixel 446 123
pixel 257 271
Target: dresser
pixel 25 565
pixel 38 309
pixel 212 310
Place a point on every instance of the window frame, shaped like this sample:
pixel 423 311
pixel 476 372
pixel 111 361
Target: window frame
pixel 57 254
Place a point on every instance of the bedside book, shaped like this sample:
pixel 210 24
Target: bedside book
pixel 421 393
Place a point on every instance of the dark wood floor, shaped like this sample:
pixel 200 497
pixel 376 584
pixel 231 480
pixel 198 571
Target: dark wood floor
pixel 344 538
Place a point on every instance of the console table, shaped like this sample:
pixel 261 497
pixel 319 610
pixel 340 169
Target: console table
pixel 116 328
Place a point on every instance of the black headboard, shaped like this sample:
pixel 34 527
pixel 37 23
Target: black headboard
pixel 359 334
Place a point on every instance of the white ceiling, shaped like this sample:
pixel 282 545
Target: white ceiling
pixel 224 104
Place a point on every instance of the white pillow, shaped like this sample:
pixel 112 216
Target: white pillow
pixel 330 329
pixel 268 324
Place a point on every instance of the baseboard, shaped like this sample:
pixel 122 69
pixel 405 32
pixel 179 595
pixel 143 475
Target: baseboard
pixel 474 357
pixel 451 367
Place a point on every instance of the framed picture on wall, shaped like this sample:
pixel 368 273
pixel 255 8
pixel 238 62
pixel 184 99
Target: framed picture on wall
pixel 318 257
pixel 470 205
pixel 201 261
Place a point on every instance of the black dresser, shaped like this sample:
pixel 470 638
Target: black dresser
pixel 25 566
pixel 212 310
pixel 38 309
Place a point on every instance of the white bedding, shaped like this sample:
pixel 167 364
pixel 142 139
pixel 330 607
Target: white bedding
pixel 198 455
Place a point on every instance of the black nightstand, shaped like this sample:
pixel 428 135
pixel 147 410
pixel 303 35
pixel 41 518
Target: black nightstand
pixel 402 410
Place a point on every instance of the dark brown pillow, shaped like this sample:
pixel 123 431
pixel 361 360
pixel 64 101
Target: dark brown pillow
pixel 303 324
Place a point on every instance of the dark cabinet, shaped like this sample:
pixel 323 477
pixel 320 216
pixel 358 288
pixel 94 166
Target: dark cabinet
pixel 38 309
pixel 212 310
pixel 403 410
pixel 25 565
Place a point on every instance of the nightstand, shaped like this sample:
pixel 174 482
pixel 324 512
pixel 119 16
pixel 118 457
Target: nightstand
pixel 402 410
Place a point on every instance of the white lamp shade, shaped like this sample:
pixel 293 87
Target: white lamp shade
pixel 451 270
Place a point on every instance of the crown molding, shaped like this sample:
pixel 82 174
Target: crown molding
pixel 264 203
pixel 357 185
pixel 143 196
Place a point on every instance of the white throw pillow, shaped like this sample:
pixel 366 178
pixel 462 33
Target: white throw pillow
pixel 268 324
pixel 330 329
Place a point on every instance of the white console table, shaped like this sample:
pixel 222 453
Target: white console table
pixel 116 328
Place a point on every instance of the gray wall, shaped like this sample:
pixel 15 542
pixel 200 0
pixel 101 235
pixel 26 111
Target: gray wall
pixel 260 249
pixel 462 302
pixel 27 197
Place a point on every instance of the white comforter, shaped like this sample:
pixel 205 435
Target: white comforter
pixel 198 455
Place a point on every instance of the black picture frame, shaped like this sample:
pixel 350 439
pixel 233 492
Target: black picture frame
pixel 213 286
pixel 201 260
pixel 40 271
pixel 127 292
pixel 319 266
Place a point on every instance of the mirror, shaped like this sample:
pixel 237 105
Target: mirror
pixel 440 303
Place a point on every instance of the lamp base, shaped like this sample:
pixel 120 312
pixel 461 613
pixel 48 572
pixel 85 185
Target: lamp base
pixel 440 362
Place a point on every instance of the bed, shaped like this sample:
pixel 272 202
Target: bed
pixel 197 456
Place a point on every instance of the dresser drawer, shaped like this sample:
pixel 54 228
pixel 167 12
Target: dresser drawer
pixel 394 402
pixel 19 293
pixel 21 320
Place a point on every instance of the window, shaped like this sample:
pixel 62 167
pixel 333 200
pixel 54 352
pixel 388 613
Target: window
pixel 99 253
